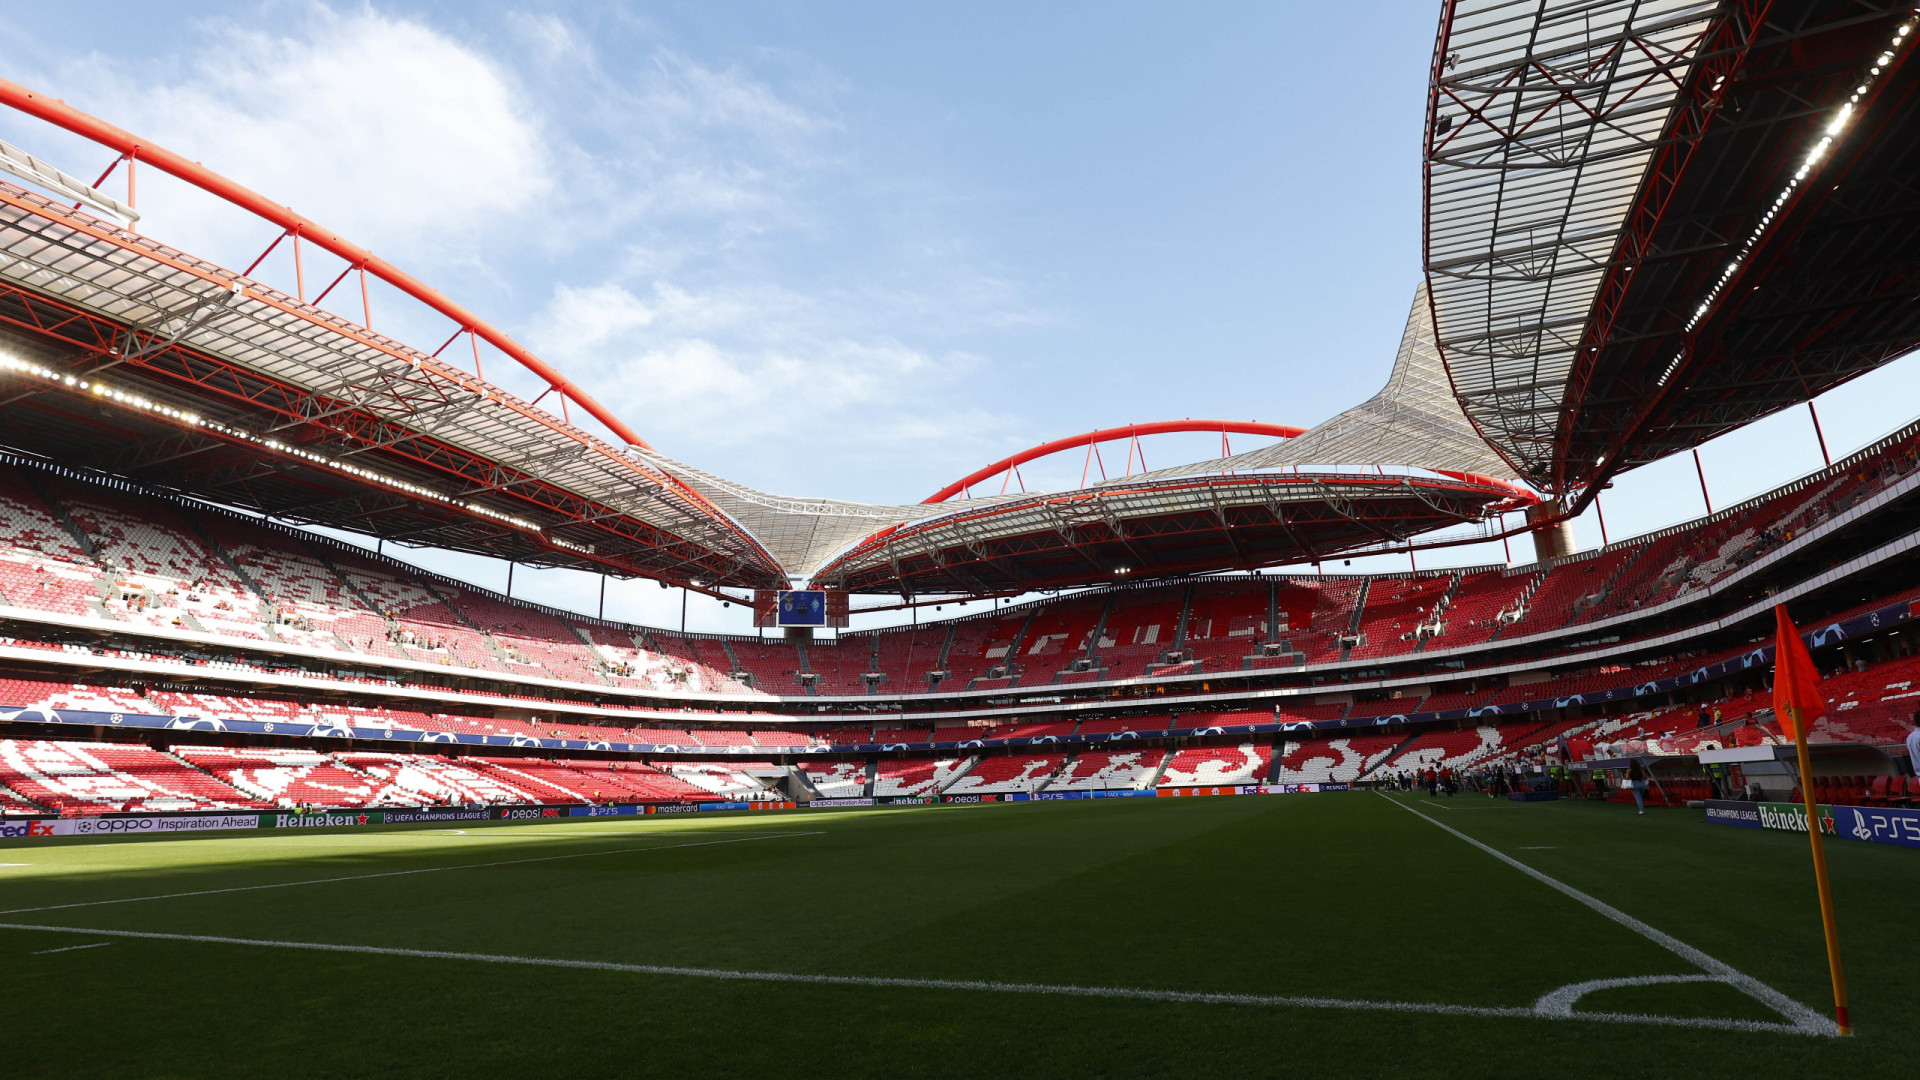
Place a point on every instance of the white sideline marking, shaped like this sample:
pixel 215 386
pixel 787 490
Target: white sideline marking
pixel 1803 1018
pixel 72 948
pixel 1122 993
pixel 405 873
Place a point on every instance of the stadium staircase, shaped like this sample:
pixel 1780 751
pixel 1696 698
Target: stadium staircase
pixel 269 618
pixel 966 767
pixel 939 662
pixel 1009 661
pixel 1179 645
pixel 1441 607
pixel 1606 590
pixel 1522 603
pixel 1388 756
pixel 1153 779
pixel 806 668
pixel 103 585
pixel 1353 625
pixel 499 652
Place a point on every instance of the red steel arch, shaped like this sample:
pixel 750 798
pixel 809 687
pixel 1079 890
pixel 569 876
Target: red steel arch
pixel 1131 431
pixel 131 147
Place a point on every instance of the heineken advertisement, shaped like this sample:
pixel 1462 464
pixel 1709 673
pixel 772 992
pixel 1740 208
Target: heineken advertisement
pixel 1874 824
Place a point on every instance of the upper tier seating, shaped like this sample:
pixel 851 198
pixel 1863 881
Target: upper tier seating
pixel 774 665
pixel 1102 770
pixel 1570 587
pixel 1139 630
pixel 309 604
pixel 41 566
pixel 160 574
pixel 1000 774
pixel 1396 610
pixel 906 654
pixel 916 775
pixel 1227 623
pixel 422 626
pixel 980 644
pixel 530 641
pixel 1318 633
pixel 1478 602
pixel 107 778
pixel 700 665
pixel 291 777
pixel 840 668
pixel 1205 766
pixel 1060 634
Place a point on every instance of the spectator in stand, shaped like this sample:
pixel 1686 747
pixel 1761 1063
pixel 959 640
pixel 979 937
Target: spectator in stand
pixel 1637 781
pixel 1705 716
pixel 1913 744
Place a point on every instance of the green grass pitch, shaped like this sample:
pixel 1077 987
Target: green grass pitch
pixel 1335 934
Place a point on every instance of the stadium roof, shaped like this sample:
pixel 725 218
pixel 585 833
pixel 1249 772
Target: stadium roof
pixel 1651 222
pixel 134 359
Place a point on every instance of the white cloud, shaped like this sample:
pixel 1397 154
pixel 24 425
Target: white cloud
pixel 381 128
pixel 691 366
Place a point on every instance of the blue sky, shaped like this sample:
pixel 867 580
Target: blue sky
pixel 853 250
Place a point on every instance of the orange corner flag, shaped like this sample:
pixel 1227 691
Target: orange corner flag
pixel 1797 702
pixel 1796 684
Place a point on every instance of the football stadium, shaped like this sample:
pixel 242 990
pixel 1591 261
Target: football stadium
pixel 1135 778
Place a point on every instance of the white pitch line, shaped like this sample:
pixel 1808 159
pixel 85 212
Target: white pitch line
pixel 405 873
pixel 1803 1018
pixel 72 948
pixel 1122 993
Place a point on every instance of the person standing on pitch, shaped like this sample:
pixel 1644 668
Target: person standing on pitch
pixel 1637 780
pixel 1913 744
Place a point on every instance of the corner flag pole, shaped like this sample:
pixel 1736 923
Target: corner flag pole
pixel 1796 696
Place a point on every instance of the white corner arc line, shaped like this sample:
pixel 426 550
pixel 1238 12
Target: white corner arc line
pixel 406 873
pixel 1802 1017
pixel 1118 993
pixel 1560 1002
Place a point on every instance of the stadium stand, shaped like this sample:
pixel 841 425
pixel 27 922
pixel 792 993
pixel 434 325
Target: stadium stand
pixel 1004 774
pixel 1400 614
pixel 916 775
pixel 837 779
pixel 291 777
pixel 1226 623
pixel 1245 763
pixel 1334 760
pixel 41 564
pixel 1102 770
pixel 439 780
pixel 107 778
pixel 1139 630
pixel 904 656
